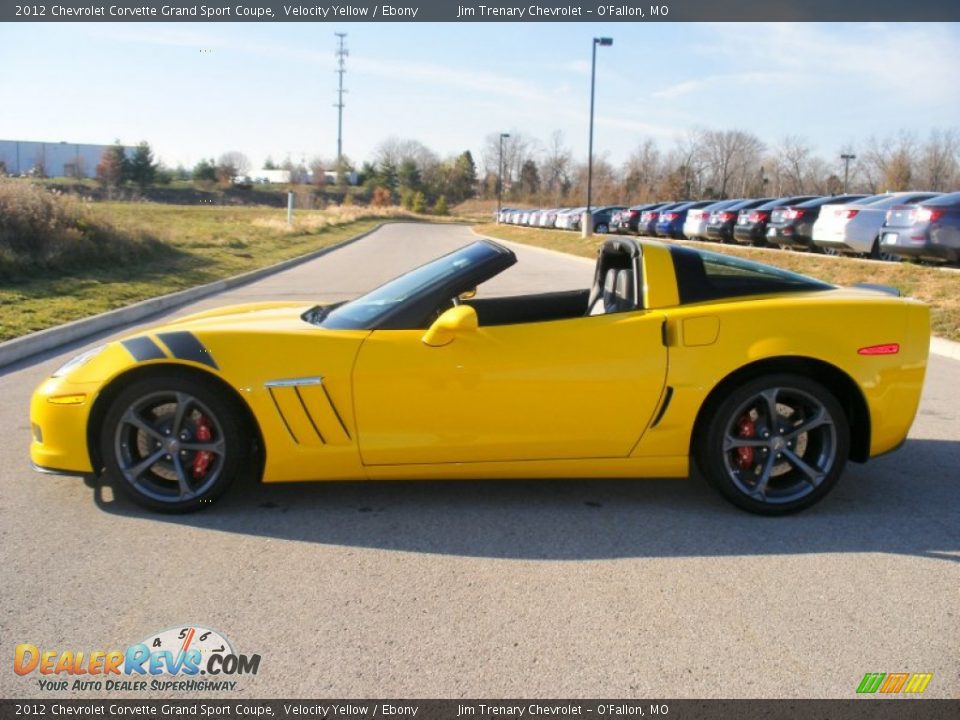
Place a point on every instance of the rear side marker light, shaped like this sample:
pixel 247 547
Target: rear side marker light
pixel 888 349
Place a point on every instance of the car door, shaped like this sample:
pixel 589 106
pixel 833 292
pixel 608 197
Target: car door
pixel 575 388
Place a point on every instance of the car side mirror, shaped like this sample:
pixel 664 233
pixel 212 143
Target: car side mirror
pixel 455 321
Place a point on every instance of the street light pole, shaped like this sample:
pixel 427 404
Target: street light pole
pixel 587 224
pixel 846 157
pixel 500 177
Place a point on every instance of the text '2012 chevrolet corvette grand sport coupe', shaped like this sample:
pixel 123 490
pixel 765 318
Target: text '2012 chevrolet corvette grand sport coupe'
pixel 770 381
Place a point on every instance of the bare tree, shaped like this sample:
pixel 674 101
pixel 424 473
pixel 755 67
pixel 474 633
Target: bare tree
pixel 728 154
pixel 939 157
pixel 794 156
pixel 888 164
pixel 557 166
pixel 641 172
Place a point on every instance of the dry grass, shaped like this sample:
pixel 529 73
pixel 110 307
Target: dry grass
pixel 939 287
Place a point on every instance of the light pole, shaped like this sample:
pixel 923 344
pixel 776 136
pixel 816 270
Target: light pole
pixel 587 224
pixel 846 157
pixel 500 177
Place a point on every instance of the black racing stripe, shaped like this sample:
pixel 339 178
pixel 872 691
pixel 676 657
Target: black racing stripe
pixel 143 348
pixel 185 346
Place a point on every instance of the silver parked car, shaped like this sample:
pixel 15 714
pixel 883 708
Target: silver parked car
pixel 854 228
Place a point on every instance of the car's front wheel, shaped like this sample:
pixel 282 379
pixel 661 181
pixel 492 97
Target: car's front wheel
pixel 774 445
pixel 173 443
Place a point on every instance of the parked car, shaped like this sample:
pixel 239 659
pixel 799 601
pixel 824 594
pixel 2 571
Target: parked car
pixel 648 218
pixel 854 229
pixel 601 218
pixel 929 230
pixel 751 227
pixel 629 218
pixel 695 226
pixel 721 222
pixel 548 218
pixel 415 380
pixel 565 220
pixel 670 222
pixel 792 225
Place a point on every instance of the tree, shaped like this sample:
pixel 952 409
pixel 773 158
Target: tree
pixel 726 154
pixel 381 197
pixel 142 168
pixel 205 173
pixel 794 157
pixel 419 203
pixel 113 168
pixel 318 172
pixel 529 178
pixel 557 164
pixel 939 160
pixel 408 174
pixel 462 177
pixel 641 171
pixel 440 207
pixel 269 164
pixel 231 165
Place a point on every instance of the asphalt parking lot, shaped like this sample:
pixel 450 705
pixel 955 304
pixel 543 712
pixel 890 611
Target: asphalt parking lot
pixel 647 588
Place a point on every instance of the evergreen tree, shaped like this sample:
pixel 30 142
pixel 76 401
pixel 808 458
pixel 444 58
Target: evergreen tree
pixel 142 168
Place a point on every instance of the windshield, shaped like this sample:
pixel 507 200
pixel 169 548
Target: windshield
pixel 367 309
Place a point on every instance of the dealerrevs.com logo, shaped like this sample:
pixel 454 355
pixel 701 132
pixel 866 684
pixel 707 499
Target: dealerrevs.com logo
pixel 191 658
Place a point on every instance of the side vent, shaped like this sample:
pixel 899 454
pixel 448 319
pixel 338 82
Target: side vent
pixel 308 412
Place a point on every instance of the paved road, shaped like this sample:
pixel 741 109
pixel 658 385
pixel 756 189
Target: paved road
pixel 480 589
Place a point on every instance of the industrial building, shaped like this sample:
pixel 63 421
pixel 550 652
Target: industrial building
pixel 52 159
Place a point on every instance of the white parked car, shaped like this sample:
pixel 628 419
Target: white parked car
pixel 695 225
pixel 569 219
pixel 854 228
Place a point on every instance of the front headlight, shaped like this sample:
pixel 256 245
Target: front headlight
pixel 78 361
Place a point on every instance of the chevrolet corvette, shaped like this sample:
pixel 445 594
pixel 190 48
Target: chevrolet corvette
pixel 767 380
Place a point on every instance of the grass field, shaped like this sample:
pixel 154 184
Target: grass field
pixel 187 246
pixel 940 288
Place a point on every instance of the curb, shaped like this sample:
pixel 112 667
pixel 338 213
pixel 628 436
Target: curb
pixel 26 346
pixel 938 346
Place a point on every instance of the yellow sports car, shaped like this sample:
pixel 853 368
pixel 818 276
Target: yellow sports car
pixel 769 380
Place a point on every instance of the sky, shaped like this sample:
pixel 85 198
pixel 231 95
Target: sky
pixel 195 90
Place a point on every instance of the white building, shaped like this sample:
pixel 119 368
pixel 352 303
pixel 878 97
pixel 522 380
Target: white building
pixel 52 159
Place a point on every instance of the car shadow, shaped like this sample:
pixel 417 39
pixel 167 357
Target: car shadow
pixel 885 506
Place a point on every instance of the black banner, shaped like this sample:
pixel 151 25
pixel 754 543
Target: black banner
pixel 857 709
pixel 482 11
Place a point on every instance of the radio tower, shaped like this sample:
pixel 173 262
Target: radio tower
pixel 341 54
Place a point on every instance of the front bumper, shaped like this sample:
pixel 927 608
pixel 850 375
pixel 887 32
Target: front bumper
pixel 59 412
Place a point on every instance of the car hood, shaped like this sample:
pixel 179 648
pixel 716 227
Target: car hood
pixel 246 315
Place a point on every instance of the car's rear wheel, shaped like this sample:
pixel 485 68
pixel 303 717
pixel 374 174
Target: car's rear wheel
pixel 877 254
pixel 774 445
pixel 602 229
pixel 173 443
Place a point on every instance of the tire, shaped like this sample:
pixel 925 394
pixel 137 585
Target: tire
pixel 196 439
pixel 602 229
pixel 877 254
pixel 791 468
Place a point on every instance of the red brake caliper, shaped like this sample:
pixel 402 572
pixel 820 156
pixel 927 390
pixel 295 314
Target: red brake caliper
pixel 201 461
pixel 746 429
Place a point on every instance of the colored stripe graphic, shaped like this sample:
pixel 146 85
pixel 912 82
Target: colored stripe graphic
pixel 871 682
pixel 894 682
pixel 918 683
pixel 143 348
pixel 185 346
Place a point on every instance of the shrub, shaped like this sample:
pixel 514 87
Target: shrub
pixel 419 203
pixel 381 197
pixel 440 206
pixel 43 230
